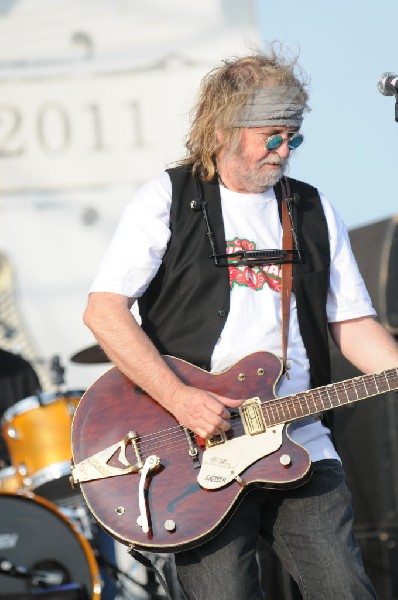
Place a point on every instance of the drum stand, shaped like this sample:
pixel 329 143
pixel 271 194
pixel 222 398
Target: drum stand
pixel 158 574
pixel 158 571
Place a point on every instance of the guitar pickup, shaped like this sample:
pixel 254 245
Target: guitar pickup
pixel 216 440
pixel 252 416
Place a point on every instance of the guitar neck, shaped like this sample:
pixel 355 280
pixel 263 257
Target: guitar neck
pixel 321 399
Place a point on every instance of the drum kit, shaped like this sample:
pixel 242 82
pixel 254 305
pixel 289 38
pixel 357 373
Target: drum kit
pixel 47 535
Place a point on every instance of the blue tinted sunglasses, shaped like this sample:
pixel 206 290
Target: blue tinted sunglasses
pixel 273 142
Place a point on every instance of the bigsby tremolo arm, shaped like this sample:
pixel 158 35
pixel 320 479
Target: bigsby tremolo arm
pixel 97 467
pixel 151 463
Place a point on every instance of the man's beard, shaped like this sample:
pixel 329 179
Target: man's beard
pixel 261 179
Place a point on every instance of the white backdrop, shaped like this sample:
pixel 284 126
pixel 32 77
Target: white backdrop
pixel 93 101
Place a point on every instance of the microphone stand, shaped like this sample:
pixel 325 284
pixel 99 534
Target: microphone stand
pixel 118 575
pixel 57 372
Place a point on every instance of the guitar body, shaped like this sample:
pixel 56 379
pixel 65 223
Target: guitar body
pixel 181 513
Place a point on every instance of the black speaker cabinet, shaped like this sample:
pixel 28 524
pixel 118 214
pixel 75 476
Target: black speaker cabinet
pixel 366 435
pixel 375 247
pixel 276 582
pixel 380 556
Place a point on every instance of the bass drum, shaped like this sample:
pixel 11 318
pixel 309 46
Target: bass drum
pixel 42 552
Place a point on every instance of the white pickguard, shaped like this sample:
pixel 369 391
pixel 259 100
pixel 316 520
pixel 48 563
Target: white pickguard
pixel 224 462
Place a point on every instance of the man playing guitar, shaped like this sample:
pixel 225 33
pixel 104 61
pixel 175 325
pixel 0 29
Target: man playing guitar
pixel 214 250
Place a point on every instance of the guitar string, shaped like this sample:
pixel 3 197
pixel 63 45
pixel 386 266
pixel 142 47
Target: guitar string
pixel 322 398
pixel 179 441
pixel 177 438
pixel 279 405
pixel 298 401
pixel 173 431
pixel 175 434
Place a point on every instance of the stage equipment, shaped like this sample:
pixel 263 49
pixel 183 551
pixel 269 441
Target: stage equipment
pixel 366 434
pixel 375 247
pixel 10 480
pixel 37 434
pixel 40 551
pixel 380 556
pixel 91 355
pixel 387 84
pixel 367 440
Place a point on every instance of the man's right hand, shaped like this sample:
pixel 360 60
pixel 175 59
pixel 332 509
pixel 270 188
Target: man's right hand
pixel 203 412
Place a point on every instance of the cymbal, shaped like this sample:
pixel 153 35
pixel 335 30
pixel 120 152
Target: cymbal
pixel 91 355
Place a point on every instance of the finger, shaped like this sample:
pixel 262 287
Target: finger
pixel 214 404
pixel 207 431
pixel 225 426
pixel 215 425
pixel 231 402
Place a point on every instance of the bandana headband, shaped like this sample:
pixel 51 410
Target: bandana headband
pixel 270 106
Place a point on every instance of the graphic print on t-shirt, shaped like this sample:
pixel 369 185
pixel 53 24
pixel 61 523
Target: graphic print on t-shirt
pixel 253 277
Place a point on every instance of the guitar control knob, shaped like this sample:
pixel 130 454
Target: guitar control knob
pixel 285 460
pixel 170 525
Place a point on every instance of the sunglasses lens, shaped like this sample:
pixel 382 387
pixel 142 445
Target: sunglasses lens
pixel 274 142
pixel 295 141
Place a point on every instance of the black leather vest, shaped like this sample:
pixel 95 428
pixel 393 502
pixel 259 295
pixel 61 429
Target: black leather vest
pixel 185 307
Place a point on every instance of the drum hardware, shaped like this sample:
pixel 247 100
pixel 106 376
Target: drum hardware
pixel 10 480
pixel 150 587
pixel 57 371
pixel 91 355
pixel 117 575
pixel 80 517
pixel 30 566
pixel 23 471
pixel 38 577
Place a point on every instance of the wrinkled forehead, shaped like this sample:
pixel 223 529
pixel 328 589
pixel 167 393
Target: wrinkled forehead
pixel 273 106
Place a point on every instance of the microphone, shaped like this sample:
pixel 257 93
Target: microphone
pixel 196 204
pixel 387 84
pixel 38 577
pixel 294 199
pixel 47 578
pixel 8 568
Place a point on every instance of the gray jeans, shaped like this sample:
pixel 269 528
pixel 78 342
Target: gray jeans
pixel 309 528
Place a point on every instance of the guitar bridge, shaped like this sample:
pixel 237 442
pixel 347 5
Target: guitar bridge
pixel 97 467
pixel 252 416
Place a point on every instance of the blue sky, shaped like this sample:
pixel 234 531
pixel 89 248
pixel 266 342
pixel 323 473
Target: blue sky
pixel 350 150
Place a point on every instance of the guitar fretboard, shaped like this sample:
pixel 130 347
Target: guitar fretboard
pixel 304 404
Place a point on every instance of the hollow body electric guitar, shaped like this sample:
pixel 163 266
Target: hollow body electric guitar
pixel 155 485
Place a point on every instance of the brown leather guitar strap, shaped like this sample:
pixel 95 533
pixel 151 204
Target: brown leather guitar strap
pixel 287 271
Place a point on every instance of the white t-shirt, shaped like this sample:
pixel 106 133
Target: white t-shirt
pixel 254 321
